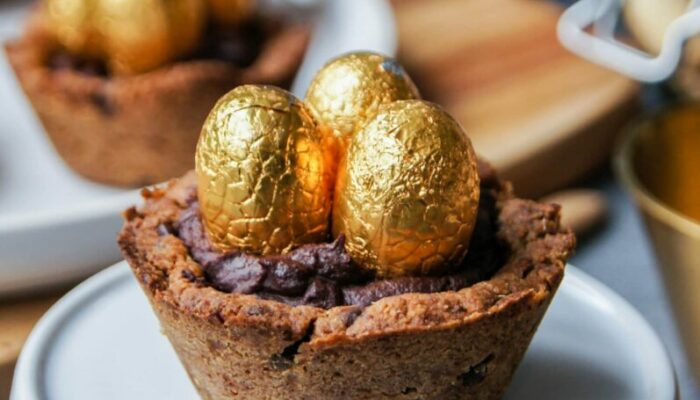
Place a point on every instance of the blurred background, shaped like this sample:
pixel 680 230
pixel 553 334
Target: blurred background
pixel 548 120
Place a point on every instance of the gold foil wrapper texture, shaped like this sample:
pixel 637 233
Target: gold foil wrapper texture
pixel 263 182
pixel 349 90
pixel 407 192
pixel 131 36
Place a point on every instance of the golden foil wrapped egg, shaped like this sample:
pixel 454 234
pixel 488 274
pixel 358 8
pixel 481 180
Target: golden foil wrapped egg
pixel 349 90
pixel 231 12
pixel 264 184
pixel 131 36
pixel 407 192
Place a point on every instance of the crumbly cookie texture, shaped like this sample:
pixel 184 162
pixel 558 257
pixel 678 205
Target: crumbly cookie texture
pixel 462 344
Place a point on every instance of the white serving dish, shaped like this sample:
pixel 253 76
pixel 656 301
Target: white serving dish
pixel 102 341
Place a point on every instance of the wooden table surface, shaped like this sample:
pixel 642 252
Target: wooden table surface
pixel 541 115
pixel 17 318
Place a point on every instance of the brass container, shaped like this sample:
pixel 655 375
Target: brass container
pixel 659 164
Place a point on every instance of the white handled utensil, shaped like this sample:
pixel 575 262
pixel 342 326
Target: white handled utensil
pixel 600 46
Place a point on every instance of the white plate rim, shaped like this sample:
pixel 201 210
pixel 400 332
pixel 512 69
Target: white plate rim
pixel 29 373
pixel 95 209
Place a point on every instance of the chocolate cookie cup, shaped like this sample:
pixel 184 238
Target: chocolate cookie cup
pixel 451 344
pixel 137 129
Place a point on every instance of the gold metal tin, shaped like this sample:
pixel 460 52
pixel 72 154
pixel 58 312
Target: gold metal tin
pixel 658 163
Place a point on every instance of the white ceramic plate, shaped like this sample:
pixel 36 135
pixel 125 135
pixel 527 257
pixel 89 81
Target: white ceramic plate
pixel 102 341
pixel 55 226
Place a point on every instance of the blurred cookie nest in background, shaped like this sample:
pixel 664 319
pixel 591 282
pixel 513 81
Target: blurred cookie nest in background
pixel 122 91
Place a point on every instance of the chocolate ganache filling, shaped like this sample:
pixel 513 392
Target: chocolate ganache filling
pixel 323 275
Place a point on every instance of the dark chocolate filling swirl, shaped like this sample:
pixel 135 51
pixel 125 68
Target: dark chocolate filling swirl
pixel 323 275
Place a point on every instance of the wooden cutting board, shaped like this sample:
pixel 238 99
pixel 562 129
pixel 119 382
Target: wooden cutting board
pixel 541 115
